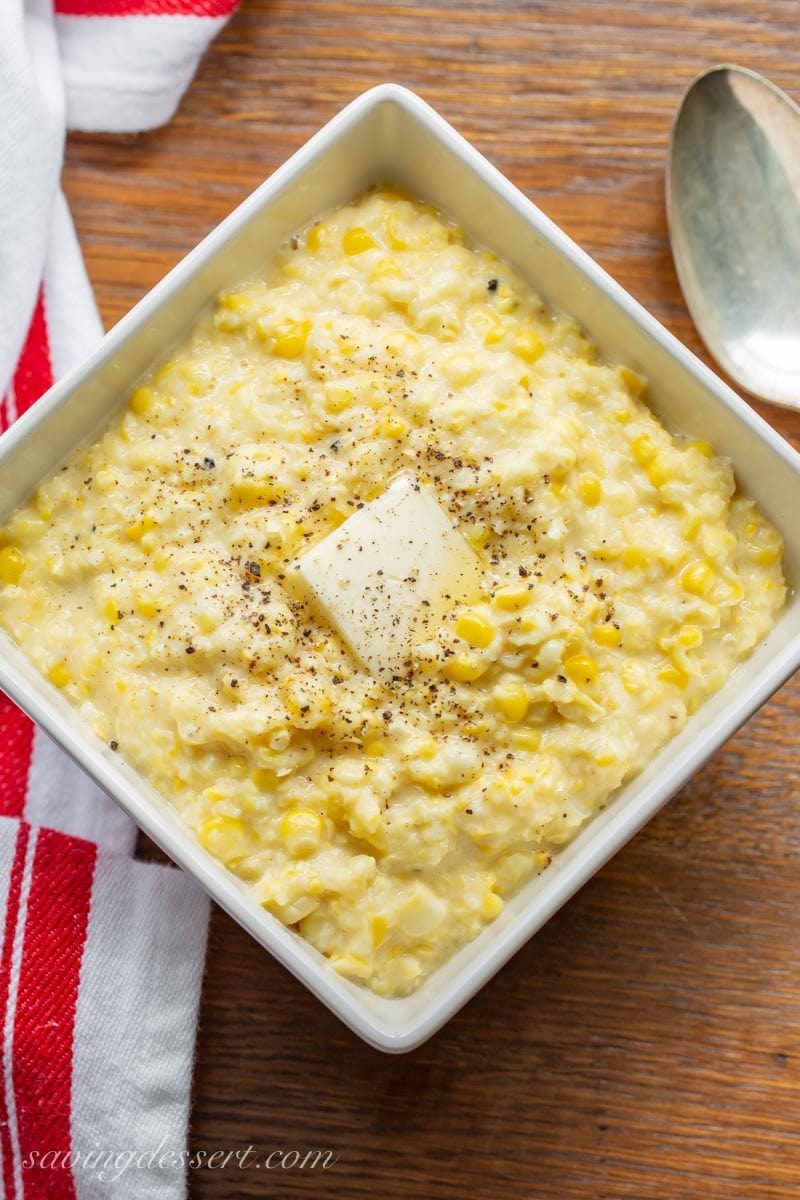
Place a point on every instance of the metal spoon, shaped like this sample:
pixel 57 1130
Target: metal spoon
pixel 733 204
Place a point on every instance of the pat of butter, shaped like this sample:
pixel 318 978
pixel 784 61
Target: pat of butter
pixel 389 574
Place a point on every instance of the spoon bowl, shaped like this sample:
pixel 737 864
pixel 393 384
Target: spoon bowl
pixel 733 205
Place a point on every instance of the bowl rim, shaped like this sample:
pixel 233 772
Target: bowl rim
pixel 51 711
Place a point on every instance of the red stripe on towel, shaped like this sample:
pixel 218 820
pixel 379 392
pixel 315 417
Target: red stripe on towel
pixel 145 8
pixel 6 955
pixel 44 1025
pixel 16 749
pixel 34 373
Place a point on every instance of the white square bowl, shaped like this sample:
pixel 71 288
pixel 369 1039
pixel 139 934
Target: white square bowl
pixel 390 134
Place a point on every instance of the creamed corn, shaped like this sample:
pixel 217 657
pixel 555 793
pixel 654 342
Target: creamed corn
pixel 625 578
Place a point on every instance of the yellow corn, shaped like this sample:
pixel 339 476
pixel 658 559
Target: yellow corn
pixel 110 610
pixel 138 529
pixel 263 778
pixel 494 334
pixel 337 397
pixel 43 507
pixel 12 564
pixel 659 471
pixel 634 382
pixel 526 739
pixel 607 634
pixel 635 556
pixel 147 605
pixel 142 400
pixel 237 768
pixel 357 240
pixel 379 929
pixel 465 670
pixel 704 448
pixel 529 346
pixel 314 238
pixel 393 426
pixel 590 488
pixel 581 669
pixel 631 678
pixel 474 628
pixel 236 301
pixel 301 832
pixel 512 701
pixel 697 578
pixel 291 341
pixel 672 675
pixel 622 415
pixel 643 448
pixel 690 637
pixel 227 838
pixel 351 966
pixel 768 554
pixel 59 675
pixel 510 599
pixel 491 906
pixel 375 748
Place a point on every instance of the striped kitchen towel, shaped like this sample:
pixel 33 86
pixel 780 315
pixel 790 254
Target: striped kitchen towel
pixel 100 956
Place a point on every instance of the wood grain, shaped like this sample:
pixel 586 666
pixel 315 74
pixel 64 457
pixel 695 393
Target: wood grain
pixel 645 1044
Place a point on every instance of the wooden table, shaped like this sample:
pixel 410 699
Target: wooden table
pixel 645 1044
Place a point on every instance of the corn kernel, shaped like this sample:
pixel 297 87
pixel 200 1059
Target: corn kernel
pixel 690 637
pixel 494 334
pixel 704 448
pixel 606 759
pixel 768 555
pixel 635 556
pixel 474 628
pixel 631 678
pixel 672 675
pixel 379 929
pixel 110 610
pixel 12 564
pixel 351 966
pixel 142 400
pixel 301 832
pixel 357 240
pixel 511 599
pixel 465 670
pixel 590 488
pixel 697 578
pixel 43 507
pixel 138 529
pixel 263 778
pixel 634 382
pixel 393 426
pixel 375 748
pixel 314 238
pixel 492 906
pixel 529 346
pixel 660 471
pixel 59 675
pixel 237 768
pixel 581 669
pixel 622 415
pixel 526 739
pixel 337 397
pixel 291 341
pixel 512 701
pixel 236 301
pixel 147 605
pixel 607 634
pixel 643 449
pixel 227 838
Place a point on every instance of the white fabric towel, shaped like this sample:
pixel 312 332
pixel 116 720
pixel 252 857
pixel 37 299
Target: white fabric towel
pixel 101 956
